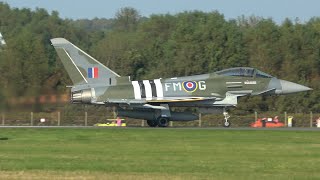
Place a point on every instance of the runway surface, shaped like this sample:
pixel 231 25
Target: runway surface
pixel 191 128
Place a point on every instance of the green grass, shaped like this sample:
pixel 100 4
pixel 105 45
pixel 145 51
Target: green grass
pixel 158 154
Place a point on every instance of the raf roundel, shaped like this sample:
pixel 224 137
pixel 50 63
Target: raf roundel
pixel 190 86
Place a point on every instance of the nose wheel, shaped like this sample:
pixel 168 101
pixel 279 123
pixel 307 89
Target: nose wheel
pixel 226 117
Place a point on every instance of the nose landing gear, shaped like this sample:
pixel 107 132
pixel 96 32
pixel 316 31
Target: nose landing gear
pixel 226 117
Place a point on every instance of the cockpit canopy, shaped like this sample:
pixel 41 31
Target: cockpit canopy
pixel 244 72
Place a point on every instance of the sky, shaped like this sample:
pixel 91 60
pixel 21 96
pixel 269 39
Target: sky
pixel 278 10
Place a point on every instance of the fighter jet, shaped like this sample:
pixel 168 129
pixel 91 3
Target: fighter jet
pixel 151 100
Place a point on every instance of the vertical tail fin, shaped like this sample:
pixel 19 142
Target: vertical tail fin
pixel 81 67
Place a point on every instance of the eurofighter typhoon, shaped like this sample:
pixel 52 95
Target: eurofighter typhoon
pixel 151 100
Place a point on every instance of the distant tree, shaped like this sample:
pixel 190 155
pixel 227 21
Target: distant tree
pixel 127 19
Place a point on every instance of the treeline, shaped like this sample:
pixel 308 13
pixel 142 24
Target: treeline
pixel 166 45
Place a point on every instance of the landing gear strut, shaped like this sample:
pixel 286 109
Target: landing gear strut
pixel 226 117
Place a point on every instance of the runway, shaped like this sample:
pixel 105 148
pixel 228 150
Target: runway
pixel 168 128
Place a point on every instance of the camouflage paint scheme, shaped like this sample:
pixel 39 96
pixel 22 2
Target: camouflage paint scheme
pixel 94 83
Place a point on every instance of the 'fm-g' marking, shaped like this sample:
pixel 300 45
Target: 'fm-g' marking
pixel 188 86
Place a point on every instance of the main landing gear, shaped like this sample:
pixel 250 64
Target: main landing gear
pixel 152 123
pixel 161 117
pixel 226 117
pixel 160 121
pixel 163 122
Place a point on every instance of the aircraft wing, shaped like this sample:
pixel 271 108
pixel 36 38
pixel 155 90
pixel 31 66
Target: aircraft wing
pixel 150 103
pixel 156 100
pixel 179 99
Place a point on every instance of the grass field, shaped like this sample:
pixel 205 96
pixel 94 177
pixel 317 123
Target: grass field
pixel 156 153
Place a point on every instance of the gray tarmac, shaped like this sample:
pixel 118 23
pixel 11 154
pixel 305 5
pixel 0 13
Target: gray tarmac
pixel 168 128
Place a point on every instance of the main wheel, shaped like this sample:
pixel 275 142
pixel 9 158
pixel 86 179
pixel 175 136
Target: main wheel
pixel 152 123
pixel 226 124
pixel 163 122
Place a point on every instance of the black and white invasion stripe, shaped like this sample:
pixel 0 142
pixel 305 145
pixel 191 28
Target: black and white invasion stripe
pixel 147 89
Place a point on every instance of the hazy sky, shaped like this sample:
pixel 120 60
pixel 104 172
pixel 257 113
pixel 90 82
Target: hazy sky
pixel 278 10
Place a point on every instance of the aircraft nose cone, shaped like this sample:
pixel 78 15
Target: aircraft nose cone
pixel 288 87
